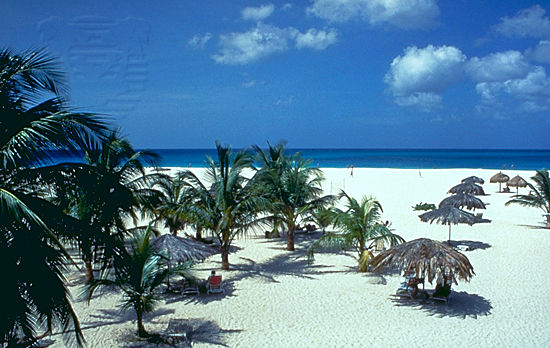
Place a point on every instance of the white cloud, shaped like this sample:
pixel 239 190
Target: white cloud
pixel 316 39
pixel 499 66
pixel 532 90
pixel 529 22
pixel 425 101
pixel 257 13
pixel 199 41
pixel 541 53
pixel 422 74
pixel 249 84
pixel 253 45
pixel 286 6
pixel 406 14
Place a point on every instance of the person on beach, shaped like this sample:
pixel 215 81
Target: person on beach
pixel 351 173
pixel 413 284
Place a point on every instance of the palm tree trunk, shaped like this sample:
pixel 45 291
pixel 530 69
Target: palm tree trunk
pixel 290 242
pixel 141 328
pixel 225 258
pixel 548 221
pixel 198 233
pixel 89 268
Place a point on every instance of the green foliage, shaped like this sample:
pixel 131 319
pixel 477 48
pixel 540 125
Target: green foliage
pixel 424 206
pixel 539 195
pixel 359 228
pixel 292 186
pixel 227 204
pixel 34 121
pixel 138 274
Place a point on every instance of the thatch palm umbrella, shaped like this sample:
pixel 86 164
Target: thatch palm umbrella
pixel 474 179
pixel 468 187
pixel 517 182
pixel 500 178
pixel 448 215
pixel 182 249
pixel 425 258
pixel 461 200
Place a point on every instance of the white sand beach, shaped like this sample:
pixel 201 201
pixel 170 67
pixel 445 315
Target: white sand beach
pixel 274 298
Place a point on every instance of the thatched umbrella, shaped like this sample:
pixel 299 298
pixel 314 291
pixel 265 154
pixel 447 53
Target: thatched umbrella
pixel 448 215
pixel 474 179
pixel 500 178
pixel 181 249
pixel 425 258
pixel 517 182
pixel 461 200
pixel 468 187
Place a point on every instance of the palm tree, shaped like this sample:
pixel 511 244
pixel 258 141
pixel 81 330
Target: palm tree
pixel 294 189
pixel 273 163
pixel 171 198
pixel 539 195
pixel 138 275
pixel 227 205
pixel 322 217
pixel 113 187
pixel 359 224
pixel 34 123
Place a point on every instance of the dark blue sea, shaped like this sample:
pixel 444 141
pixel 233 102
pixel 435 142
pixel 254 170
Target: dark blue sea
pixel 380 158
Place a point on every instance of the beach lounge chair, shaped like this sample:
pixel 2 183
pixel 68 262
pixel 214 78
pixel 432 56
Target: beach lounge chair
pixel 190 288
pixel 214 285
pixel 441 294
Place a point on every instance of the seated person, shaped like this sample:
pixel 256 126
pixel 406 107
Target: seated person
pixel 413 284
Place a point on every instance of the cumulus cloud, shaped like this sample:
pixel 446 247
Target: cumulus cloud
pixel 529 22
pixel 406 14
pixel 316 39
pixel 265 40
pixel 420 75
pixel 499 66
pixel 199 41
pixel 532 90
pixel 541 53
pixel 257 13
pixel 251 46
pixel 424 101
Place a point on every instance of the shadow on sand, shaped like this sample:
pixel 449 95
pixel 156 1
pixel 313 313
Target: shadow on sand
pixel 185 333
pixel 469 245
pixel 461 305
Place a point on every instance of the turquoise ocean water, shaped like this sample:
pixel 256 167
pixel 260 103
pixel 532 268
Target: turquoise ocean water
pixel 380 158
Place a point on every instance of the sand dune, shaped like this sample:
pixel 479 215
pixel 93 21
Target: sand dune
pixel 274 298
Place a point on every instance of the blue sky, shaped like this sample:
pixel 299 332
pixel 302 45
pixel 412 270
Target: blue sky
pixel 319 73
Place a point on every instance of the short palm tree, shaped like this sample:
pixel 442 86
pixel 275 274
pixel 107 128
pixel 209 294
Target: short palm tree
pixel 227 204
pixel 539 197
pixel 34 123
pixel 171 199
pixel 138 274
pixel 359 225
pixel 294 190
pixel 322 217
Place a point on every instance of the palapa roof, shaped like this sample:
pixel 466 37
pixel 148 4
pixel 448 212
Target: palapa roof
pixel 517 181
pixel 182 249
pixel 424 258
pixel 467 187
pixel 474 179
pixel 499 177
pixel 447 215
pixel 461 200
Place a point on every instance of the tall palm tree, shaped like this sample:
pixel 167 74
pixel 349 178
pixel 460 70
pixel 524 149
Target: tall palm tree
pixel 539 195
pixel 294 189
pixel 34 123
pixel 359 224
pixel 111 188
pixel 227 204
pixel 138 274
pixel 273 162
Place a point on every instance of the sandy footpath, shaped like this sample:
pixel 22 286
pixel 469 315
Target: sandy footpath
pixel 274 298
